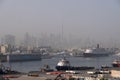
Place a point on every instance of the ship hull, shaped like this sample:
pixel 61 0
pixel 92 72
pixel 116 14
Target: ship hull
pixel 63 68
pixel 116 65
pixel 95 55
pixel 23 57
pixel 3 58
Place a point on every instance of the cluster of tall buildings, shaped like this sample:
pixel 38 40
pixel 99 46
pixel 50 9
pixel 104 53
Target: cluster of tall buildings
pixel 9 40
pixel 53 40
pixel 28 40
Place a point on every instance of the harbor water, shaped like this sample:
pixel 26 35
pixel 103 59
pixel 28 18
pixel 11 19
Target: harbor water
pixel 96 62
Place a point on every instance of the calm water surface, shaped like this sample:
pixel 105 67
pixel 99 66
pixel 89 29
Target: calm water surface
pixel 75 61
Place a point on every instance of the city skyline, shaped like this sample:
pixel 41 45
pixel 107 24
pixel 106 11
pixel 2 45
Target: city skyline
pixel 55 41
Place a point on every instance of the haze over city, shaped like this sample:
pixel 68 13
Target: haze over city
pixel 79 22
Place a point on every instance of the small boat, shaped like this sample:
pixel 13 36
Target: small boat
pixel 64 65
pixel 7 70
pixel 34 73
pixel 116 63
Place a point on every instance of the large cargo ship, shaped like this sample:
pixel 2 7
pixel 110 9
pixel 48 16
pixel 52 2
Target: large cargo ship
pixel 96 52
pixel 23 57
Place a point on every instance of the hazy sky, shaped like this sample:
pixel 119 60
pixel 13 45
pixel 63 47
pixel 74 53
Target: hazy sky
pixel 95 19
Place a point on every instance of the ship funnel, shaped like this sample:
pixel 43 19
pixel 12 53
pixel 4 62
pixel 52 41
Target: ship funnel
pixel 98 46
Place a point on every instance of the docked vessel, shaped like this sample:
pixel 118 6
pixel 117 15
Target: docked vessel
pixel 96 52
pixel 23 57
pixel 77 53
pixel 46 56
pixel 116 63
pixel 64 64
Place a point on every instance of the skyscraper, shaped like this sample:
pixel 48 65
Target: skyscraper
pixel 9 40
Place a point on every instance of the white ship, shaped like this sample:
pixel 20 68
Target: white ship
pixel 96 52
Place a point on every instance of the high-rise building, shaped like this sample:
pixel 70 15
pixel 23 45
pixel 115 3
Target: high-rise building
pixel 30 41
pixel 9 40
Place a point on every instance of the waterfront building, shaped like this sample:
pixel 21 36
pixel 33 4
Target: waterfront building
pixel 3 49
